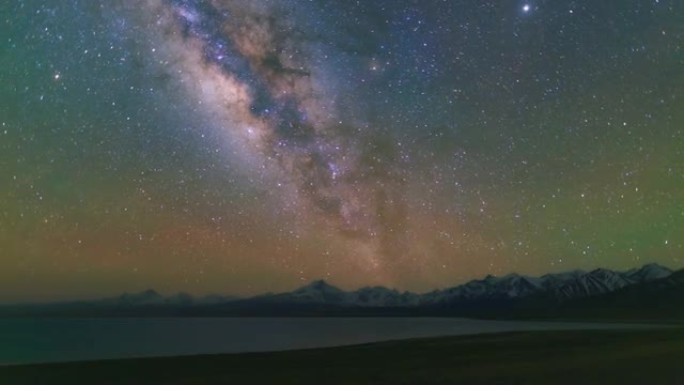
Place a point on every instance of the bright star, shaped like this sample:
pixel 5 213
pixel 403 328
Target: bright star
pixel 526 8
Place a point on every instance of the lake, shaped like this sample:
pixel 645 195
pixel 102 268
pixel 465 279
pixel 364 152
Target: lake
pixel 62 340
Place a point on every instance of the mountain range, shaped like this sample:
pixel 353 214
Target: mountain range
pixel 646 292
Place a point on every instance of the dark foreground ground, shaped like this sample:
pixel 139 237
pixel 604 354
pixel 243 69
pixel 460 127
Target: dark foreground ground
pixel 578 357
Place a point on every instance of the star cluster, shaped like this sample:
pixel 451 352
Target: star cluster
pixel 242 146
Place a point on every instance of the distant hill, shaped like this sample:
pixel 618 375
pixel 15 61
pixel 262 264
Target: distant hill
pixel 658 299
pixel 652 291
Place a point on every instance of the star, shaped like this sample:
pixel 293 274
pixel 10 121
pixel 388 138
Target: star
pixel 278 139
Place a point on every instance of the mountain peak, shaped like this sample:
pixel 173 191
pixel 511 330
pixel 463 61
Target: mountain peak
pixel 649 272
pixel 318 285
pixel 655 266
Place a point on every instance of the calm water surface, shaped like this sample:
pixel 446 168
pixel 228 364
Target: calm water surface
pixel 59 340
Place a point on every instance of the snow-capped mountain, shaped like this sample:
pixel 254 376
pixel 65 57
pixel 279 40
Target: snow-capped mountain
pixel 507 287
pixel 599 281
pixel 568 294
pixel 315 292
pixel 647 273
pixel 561 287
pixel 321 292
pixel 382 296
pixel 602 281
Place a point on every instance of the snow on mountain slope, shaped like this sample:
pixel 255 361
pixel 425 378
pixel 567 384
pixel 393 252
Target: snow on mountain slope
pixel 561 286
pixel 647 273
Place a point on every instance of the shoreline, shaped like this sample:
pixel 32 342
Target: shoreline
pixel 183 337
pixel 594 356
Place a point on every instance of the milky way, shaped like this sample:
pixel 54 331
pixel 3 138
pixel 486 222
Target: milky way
pixel 336 168
pixel 235 146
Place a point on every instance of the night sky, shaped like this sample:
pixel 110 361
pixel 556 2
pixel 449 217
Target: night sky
pixel 243 146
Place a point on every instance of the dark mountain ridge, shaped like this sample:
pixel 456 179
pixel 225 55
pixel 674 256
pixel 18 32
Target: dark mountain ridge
pixel 646 292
